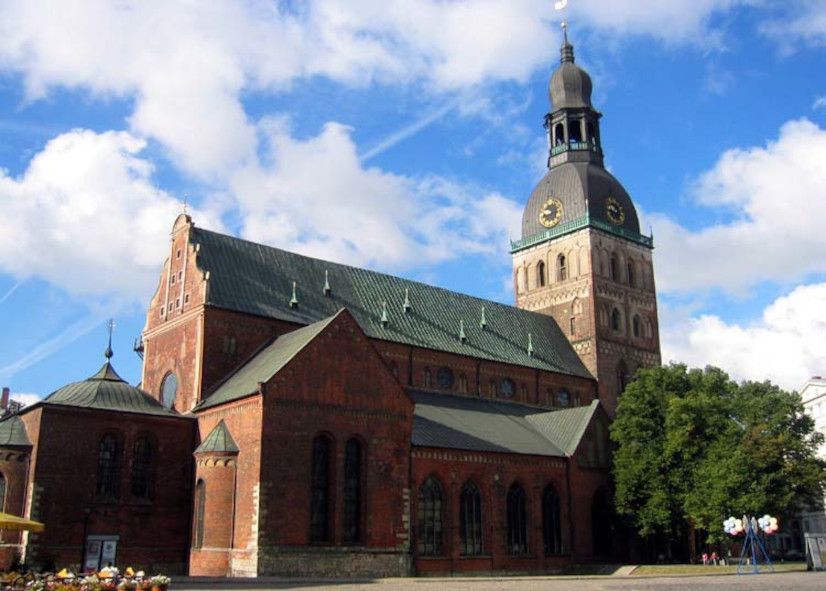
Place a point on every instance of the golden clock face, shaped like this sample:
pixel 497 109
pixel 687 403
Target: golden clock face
pixel 550 213
pixel 614 211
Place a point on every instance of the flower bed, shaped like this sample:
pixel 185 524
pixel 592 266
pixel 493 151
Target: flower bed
pixel 108 579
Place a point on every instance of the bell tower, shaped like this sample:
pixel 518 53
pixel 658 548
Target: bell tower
pixel 581 257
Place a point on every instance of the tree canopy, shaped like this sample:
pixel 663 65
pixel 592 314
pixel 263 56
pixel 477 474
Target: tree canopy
pixel 693 447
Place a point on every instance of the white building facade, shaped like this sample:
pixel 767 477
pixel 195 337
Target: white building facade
pixel 813 394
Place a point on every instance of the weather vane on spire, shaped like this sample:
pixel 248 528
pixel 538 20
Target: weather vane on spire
pixel 562 5
pixel 110 325
pixel 186 202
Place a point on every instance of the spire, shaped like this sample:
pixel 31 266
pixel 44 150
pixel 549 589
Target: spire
pixel 462 335
pixel 566 52
pixel 482 322
pixel 384 318
pixel 110 325
pixel 327 289
pixel 530 345
pixel 406 305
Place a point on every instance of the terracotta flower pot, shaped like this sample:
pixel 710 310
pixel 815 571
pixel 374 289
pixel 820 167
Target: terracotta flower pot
pixel 160 587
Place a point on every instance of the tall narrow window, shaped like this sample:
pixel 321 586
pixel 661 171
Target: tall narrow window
pixel 540 274
pixel 637 326
pixel 108 466
pixel 616 320
pixel 427 378
pixel 632 276
pixel 320 496
pixel 573 325
pixel 352 491
pixel 430 518
pixel 462 383
pixel 493 387
pixel 2 492
pixel 200 511
pixel 470 516
pixel 142 468
pixel 517 521
pixel 559 134
pixel 561 268
pixel 614 268
pixel 551 530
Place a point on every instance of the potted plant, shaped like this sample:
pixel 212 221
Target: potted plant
pixel 160 582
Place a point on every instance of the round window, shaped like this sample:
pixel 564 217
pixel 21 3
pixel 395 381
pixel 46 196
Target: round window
pixel 507 388
pixel 169 389
pixel 444 377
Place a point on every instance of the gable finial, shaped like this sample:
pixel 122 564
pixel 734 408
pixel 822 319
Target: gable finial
pixel 294 299
pixel 110 325
pixel 462 335
pixel 186 203
pixel 483 324
pixel 530 345
pixel 327 289
pixel 406 305
pixel 385 320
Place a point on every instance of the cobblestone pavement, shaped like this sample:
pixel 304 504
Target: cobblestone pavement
pixel 796 581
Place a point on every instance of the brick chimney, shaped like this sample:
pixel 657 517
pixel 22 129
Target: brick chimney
pixel 4 402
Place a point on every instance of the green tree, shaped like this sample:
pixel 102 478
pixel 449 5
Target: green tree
pixel 693 447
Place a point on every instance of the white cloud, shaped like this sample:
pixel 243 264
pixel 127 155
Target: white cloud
pixel 800 21
pixel 315 196
pixel 86 216
pixel 773 196
pixel 820 103
pixel 786 345
pixel 187 64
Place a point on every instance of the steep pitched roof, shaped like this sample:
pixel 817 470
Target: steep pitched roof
pixel 268 362
pixel 106 390
pixel 219 440
pixel 258 279
pixel 13 432
pixel 479 424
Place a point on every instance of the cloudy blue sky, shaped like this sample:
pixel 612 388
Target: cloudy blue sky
pixel 406 137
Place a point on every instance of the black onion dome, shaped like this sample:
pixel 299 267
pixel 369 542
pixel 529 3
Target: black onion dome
pixel 581 187
pixel 570 86
pixel 107 390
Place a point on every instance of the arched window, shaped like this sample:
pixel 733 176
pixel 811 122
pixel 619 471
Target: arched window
pixel 430 518
pixel 320 491
pixel 561 268
pixel 614 270
pixel 427 378
pixel 507 388
pixel 563 398
pixel 616 320
pixel 470 520
pixel 169 389
pixel 200 512
pixel 551 522
pixel 592 134
pixel 517 521
pixel 540 274
pixel 636 324
pixel 632 276
pixel 352 490
pixel 108 466
pixel 2 492
pixel 575 131
pixel 559 134
pixel 142 468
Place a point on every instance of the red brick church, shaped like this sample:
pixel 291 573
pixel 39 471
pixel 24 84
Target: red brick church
pixel 301 417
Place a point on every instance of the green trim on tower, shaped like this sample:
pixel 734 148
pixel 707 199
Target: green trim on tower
pixel 573 226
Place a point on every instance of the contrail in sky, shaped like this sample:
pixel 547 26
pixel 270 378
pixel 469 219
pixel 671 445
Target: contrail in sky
pixel 11 291
pixel 411 129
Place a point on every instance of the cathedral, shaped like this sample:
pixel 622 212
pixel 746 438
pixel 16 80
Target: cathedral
pixel 301 417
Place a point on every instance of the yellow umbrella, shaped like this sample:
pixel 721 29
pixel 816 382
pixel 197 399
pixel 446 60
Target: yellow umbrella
pixel 14 523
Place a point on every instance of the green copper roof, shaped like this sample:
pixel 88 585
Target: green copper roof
pixel 258 279
pixel 219 440
pixel 479 424
pixel 264 365
pixel 106 390
pixel 13 432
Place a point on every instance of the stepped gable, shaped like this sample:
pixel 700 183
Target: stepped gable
pixel 257 279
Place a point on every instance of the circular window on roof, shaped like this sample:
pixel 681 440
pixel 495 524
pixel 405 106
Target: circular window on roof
pixel 169 389
pixel 507 388
pixel 444 377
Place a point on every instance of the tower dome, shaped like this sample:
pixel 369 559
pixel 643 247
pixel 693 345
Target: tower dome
pixel 570 86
